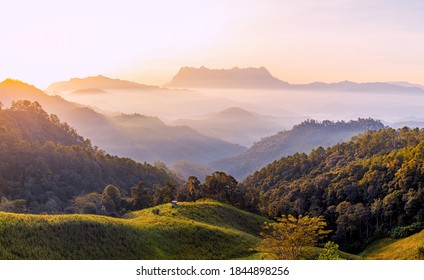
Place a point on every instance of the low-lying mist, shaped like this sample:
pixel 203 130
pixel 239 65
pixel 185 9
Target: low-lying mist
pixel 170 105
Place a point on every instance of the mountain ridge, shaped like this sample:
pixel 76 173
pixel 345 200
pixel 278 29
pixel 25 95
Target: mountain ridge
pixel 145 143
pixel 191 77
pixel 97 82
pixel 303 137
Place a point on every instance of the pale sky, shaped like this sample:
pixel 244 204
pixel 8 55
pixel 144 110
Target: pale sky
pixel 298 41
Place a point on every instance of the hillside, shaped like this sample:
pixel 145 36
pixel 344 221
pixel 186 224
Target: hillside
pixel 146 139
pixel 45 163
pixel 302 138
pixel 395 249
pixel 201 230
pixel 364 188
pixel 237 125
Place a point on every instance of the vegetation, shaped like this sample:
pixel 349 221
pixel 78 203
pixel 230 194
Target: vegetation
pixel 303 137
pixel 45 164
pixel 288 238
pixel 330 252
pixel 364 188
pixel 202 230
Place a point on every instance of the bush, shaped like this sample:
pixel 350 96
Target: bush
pixel 401 232
pixel 330 252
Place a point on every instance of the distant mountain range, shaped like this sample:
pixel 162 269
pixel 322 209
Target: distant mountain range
pixel 190 77
pixel 301 138
pixel 96 82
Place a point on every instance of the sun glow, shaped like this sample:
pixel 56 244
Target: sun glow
pixel 147 41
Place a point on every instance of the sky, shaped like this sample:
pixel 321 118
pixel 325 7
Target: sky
pixel 148 41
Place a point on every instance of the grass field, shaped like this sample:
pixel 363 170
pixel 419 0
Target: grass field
pixel 395 249
pixel 201 230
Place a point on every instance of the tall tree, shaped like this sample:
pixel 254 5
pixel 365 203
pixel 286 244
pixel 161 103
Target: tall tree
pixel 287 238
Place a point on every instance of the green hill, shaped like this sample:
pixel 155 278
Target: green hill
pixel 45 163
pixel 395 249
pixel 200 230
pixel 364 188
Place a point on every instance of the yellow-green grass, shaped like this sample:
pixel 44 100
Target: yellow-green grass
pixel 395 249
pixel 202 230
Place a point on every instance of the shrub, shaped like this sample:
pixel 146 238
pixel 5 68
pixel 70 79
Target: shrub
pixel 401 232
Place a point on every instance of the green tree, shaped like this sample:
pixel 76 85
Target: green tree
pixel 140 198
pixel 330 252
pixel 288 237
pixel 111 199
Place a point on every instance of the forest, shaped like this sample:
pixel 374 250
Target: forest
pixel 367 188
pixel 45 163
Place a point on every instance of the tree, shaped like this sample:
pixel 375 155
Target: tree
pixel 87 204
pixel 111 199
pixel 140 197
pixel 220 186
pixel 287 238
pixel 193 187
pixel 330 252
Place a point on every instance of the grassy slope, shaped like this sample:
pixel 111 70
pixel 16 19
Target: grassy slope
pixel 395 249
pixel 201 230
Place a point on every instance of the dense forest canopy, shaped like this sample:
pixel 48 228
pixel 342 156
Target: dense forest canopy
pixel 45 163
pixel 364 188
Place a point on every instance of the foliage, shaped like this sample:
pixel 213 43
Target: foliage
pixel 47 164
pixel 401 232
pixel 330 252
pixel 288 237
pixel 364 188
pixel 301 138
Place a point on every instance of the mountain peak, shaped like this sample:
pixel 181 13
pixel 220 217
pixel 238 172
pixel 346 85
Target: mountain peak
pixel 235 77
pixel 17 86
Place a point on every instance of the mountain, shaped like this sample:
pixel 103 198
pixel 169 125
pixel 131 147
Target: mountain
pixel 141 138
pixel 149 139
pixel 374 87
pixel 240 126
pixel 406 84
pixel 301 138
pixel 189 77
pixel 88 91
pixel 46 163
pixel 199 230
pixel 96 82
pixel 367 188
pixel 261 78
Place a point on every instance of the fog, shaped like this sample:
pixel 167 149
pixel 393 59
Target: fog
pixel 170 105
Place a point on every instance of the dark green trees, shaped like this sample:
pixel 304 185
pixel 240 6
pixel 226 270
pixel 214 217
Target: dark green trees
pixel 111 199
